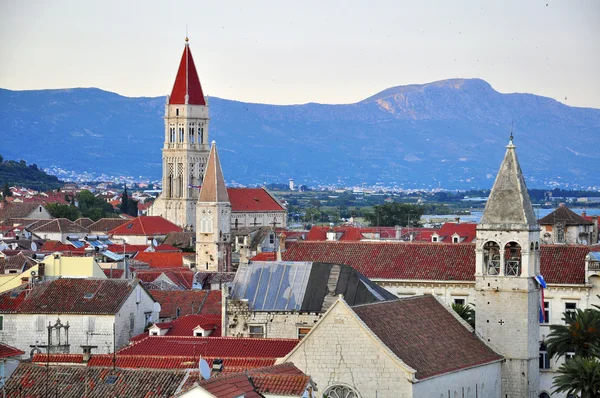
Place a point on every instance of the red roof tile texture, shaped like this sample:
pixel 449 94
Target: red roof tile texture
pixel 146 225
pixel 281 384
pixel 161 259
pixel 431 261
pixel 230 386
pixel 232 347
pixel 188 302
pixel 187 82
pixel 425 335
pixel 466 231
pixel 252 199
pixel 7 351
pixel 68 296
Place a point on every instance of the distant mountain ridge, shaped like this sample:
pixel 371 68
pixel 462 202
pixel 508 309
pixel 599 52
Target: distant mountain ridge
pixel 449 133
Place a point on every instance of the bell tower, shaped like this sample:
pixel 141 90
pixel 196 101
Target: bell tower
pixel 507 296
pixel 185 149
pixel 213 244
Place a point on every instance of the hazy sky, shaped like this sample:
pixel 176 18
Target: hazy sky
pixel 286 52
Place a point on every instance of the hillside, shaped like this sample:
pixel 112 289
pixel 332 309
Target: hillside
pixel 30 176
pixel 450 133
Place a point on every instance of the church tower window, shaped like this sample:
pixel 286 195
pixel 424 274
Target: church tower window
pixel 491 258
pixel 512 259
pixel 181 134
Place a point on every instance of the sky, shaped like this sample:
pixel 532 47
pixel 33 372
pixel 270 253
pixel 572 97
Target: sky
pixel 284 52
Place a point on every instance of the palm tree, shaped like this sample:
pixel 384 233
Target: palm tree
pixel 580 334
pixel 465 312
pixel 579 376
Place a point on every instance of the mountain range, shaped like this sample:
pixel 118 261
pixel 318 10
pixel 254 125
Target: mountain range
pixel 450 133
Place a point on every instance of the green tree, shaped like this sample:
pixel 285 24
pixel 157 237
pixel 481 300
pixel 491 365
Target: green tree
pixel 6 191
pixel 58 210
pixel 466 312
pixel 391 214
pixel 93 207
pixel 580 334
pixel 128 205
pixel 579 376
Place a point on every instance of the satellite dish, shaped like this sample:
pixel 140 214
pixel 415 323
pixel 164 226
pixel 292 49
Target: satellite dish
pixel 156 307
pixel 204 369
pixel 154 242
pixel 33 246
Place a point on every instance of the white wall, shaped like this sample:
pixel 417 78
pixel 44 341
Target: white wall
pixel 483 379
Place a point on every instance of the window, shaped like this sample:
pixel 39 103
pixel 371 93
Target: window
pixel 178 312
pixel 147 317
pixel 198 333
pixel 544 358
pixel 491 258
pixel 154 333
pixel 570 308
pixel 302 332
pixel 512 259
pixel 455 239
pixel 434 238
pixel 131 323
pixel 569 356
pixel 1 322
pixel 460 301
pixel 546 312
pixel 340 392
pixel 89 324
pixel 257 331
pixel 181 134
pixel 176 111
pixel 271 239
pixel 40 324
pixel 560 232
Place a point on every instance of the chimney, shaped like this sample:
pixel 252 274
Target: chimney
pixel 398 232
pixel 244 252
pixel 457 220
pixel 583 213
pixel 331 235
pixel 281 247
pixel 87 352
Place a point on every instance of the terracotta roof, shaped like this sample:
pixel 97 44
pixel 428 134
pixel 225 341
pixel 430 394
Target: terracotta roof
pixel 231 347
pixel 281 384
pixel 466 231
pixel 564 215
pixel 19 262
pixel 161 259
pixel 84 222
pixel 252 199
pixel 431 261
pixel 190 361
pixel 17 210
pixel 213 188
pixel 425 335
pixel 185 325
pixel 60 225
pixel 106 224
pixel 265 256
pixel 7 351
pixel 187 82
pixel 230 386
pixel 146 225
pixel 68 296
pixel 29 380
pixel 113 273
pixel 10 300
pixel 189 301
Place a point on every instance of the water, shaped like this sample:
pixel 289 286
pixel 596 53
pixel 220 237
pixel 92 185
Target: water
pixel 475 216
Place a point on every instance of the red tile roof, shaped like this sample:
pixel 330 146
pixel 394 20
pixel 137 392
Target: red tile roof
pixel 431 261
pixel 425 335
pixel 147 226
pixel 161 259
pixel 232 347
pixel 67 296
pixel 189 302
pixel 7 351
pixel 281 384
pixel 252 199
pixel 185 325
pixel 187 82
pixel 106 224
pixel 29 380
pixel 466 231
pixel 265 256
pixel 565 215
pixel 113 273
pixel 230 386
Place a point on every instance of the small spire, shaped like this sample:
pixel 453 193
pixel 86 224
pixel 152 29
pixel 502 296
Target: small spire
pixel 511 138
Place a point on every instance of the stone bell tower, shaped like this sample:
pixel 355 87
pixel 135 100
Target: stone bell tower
pixel 213 244
pixel 507 296
pixel 185 149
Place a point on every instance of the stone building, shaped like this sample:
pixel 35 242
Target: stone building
pixel 67 315
pixel 563 225
pixel 405 348
pixel 285 300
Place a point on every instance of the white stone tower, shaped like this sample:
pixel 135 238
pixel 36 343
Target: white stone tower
pixel 213 247
pixel 185 150
pixel 507 296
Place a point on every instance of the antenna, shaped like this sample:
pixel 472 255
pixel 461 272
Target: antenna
pixel 512 125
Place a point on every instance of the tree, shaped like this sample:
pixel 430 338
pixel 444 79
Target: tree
pixel 580 334
pixel 579 376
pixel 128 205
pixel 93 207
pixel 6 191
pixel 58 210
pixel 465 312
pixel 391 214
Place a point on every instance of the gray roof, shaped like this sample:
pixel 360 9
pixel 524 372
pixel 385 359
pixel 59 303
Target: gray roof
pixel 509 203
pixel 565 216
pixel 303 286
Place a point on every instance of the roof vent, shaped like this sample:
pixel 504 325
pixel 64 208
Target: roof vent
pixel 112 379
pixel 88 295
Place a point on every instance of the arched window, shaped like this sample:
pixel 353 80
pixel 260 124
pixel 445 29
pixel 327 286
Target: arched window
pixel 181 134
pixel 544 395
pixel 341 392
pixel 491 258
pixel 512 259
pixel 236 223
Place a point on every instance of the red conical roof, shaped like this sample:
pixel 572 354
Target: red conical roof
pixel 187 82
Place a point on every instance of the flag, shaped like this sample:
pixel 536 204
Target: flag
pixel 540 281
